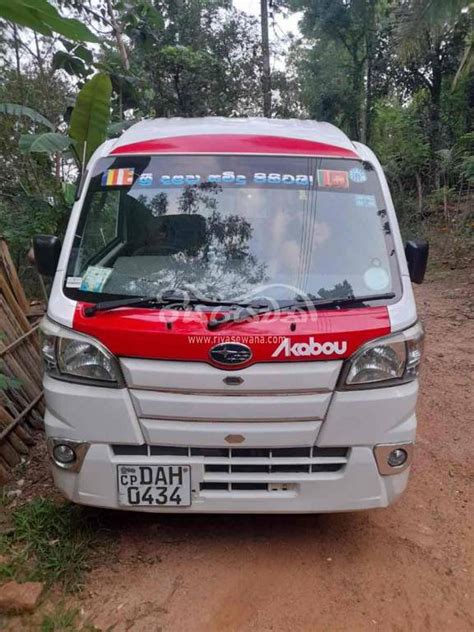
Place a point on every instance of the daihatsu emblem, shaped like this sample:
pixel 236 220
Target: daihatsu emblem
pixel 230 353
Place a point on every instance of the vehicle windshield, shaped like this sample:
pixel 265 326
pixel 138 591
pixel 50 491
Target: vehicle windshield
pixel 230 227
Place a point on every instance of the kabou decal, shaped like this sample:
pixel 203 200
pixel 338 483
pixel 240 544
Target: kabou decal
pixel 309 348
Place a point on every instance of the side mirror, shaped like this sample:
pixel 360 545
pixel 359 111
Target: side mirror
pixel 47 249
pixel 416 252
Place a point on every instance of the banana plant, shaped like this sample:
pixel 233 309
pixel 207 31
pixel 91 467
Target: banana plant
pixel 88 125
pixel 42 17
pixel 21 110
pixel 90 116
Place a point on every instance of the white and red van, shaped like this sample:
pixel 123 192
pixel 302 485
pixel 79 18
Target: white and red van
pixel 231 325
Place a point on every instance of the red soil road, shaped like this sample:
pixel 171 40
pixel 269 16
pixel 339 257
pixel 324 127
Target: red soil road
pixel 407 567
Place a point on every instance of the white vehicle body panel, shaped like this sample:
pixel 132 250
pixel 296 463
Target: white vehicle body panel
pixel 204 378
pixel 284 128
pixel 168 403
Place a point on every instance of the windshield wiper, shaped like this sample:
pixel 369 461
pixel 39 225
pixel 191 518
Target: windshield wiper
pixel 299 303
pixel 167 298
pixel 103 306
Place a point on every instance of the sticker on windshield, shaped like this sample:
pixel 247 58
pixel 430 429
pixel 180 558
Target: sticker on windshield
pixel 73 281
pixel 283 178
pixel 365 201
pixel 235 178
pixel 118 177
pixel 145 179
pixel 227 177
pixel 95 278
pixel 376 278
pixel 357 175
pixel 333 179
pixel 179 180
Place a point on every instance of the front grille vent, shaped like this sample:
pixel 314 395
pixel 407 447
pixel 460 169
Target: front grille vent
pixel 243 469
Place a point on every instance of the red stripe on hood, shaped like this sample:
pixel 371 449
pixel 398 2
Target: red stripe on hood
pixel 234 144
pixel 183 335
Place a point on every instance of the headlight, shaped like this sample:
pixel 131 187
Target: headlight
pixel 384 362
pixel 77 358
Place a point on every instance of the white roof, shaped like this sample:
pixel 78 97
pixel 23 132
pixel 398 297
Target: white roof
pixel 290 128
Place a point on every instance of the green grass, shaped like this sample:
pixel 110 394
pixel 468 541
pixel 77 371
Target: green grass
pixel 61 620
pixel 64 620
pixel 51 543
pixel 3 498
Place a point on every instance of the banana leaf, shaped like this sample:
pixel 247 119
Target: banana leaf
pixel 21 110
pixel 91 115
pixel 44 18
pixel 47 143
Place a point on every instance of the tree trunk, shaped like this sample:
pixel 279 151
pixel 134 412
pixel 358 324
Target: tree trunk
pixel 435 93
pixel 357 82
pixel 17 59
pixel 118 36
pixel 38 57
pixel 365 127
pixel 57 167
pixel 266 80
pixel 370 51
pixel 458 205
pixel 419 189
pixel 445 198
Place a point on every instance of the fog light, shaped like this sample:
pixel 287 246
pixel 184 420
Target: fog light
pixel 64 454
pixel 397 457
pixel 67 454
pixel 393 458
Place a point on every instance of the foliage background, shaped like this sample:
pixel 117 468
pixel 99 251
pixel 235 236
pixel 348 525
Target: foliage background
pixel 395 74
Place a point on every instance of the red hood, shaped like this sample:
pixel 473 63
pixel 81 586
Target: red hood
pixel 173 335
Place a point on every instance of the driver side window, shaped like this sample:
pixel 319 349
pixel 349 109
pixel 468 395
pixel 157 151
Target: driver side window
pixel 102 225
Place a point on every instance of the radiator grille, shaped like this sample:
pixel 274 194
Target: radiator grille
pixel 241 469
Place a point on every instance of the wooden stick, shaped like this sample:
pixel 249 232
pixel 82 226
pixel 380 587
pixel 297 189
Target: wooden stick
pixel 6 431
pixel 20 358
pixel 14 305
pixel 12 276
pixel 9 454
pixel 17 341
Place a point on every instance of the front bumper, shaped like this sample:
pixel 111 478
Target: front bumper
pixel 356 486
pixel 356 420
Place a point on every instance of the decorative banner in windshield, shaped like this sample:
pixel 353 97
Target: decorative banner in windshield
pixel 124 177
pixel 331 178
pixel 118 177
pixel 154 176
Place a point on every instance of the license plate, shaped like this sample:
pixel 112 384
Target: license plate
pixel 154 485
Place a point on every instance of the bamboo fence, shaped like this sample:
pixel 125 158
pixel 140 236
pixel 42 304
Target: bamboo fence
pixel 21 398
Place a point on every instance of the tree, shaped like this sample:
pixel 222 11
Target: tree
pixel 431 14
pixel 87 129
pixel 36 194
pixel 266 78
pixel 187 58
pixel 402 145
pixel 344 36
pixel 31 198
pixel 433 54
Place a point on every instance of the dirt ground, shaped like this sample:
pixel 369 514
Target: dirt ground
pixel 407 567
